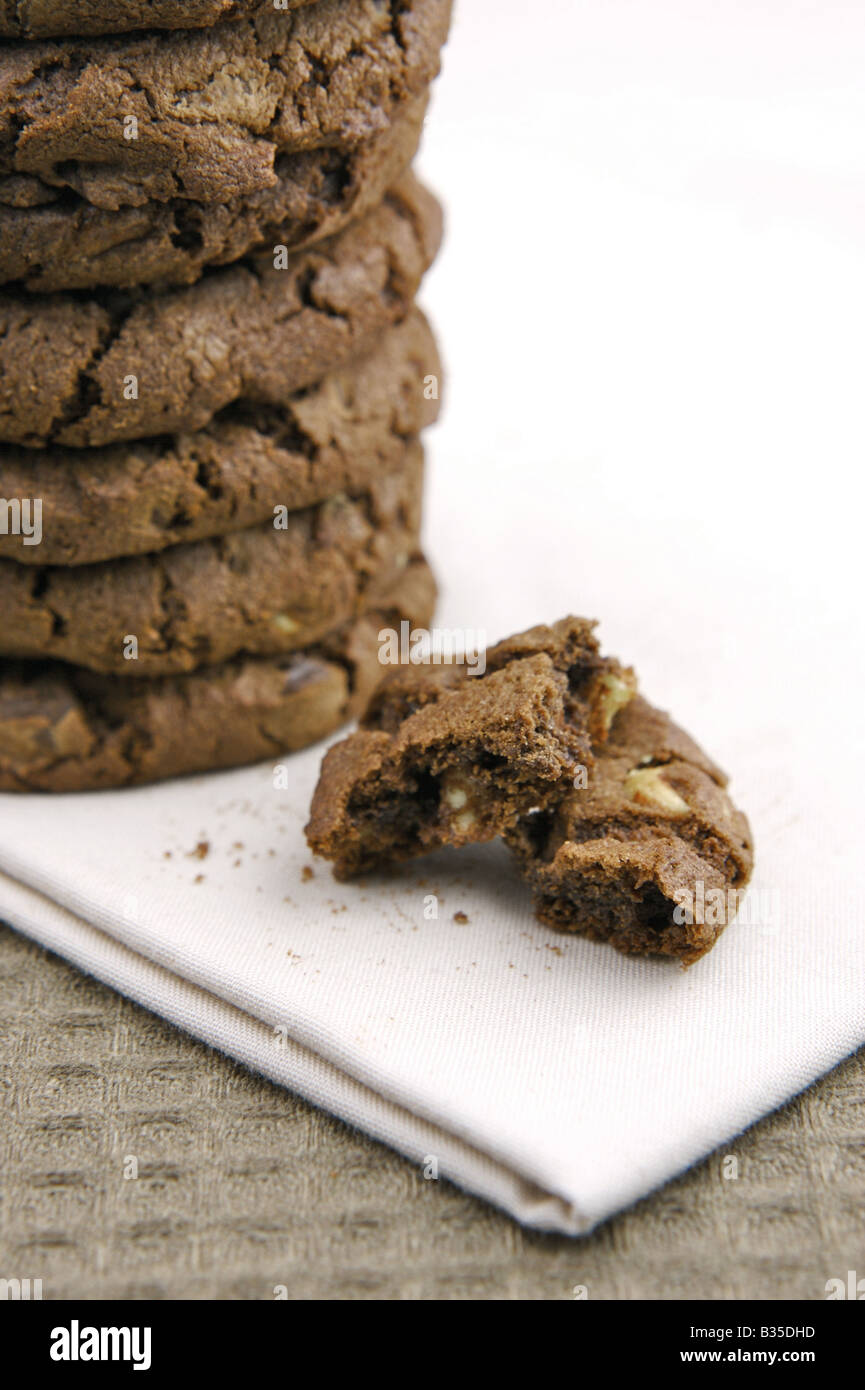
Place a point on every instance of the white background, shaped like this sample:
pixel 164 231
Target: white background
pixel 652 307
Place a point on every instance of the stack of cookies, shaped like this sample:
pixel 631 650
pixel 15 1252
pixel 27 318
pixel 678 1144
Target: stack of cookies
pixel 212 375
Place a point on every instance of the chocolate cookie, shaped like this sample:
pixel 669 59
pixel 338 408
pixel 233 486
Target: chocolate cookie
pixel 651 855
pixel 36 19
pixel 267 590
pixel 202 114
pixel 63 729
pixel 444 757
pixel 88 371
pixel 69 244
pixel 131 499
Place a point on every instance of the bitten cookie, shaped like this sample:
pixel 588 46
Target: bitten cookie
pixel 89 371
pixel 133 499
pixel 202 114
pixel 444 757
pixel 32 19
pixel 67 244
pixel 62 729
pixel 651 855
pixel 265 591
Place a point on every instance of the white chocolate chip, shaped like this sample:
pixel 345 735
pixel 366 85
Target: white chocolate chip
pixel 456 797
pixel 284 623
pixel 464 821
pixel 617 693
pixel 647 785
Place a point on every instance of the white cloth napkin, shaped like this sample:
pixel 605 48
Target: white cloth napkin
pixel 654 417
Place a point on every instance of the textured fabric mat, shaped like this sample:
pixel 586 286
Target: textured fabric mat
pixel 242 1187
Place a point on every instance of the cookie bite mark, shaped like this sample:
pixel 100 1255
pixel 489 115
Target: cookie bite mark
pixel 444 757
pixel 598 687
pixel 634 857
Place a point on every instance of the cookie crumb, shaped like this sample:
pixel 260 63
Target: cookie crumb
pixel 306 873
pixel 199 878
pixel 201 851
pixel 461 919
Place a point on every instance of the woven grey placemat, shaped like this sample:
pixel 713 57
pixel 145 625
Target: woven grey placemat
pixel 243 1189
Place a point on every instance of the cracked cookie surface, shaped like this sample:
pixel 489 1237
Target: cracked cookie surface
pixel 651 855
pixel 131 499
pixel 32 19
pixel 202 114
pixel 67 243
pixel 64 729
pixel 85 371
pixel 444 757
pixel 261 591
